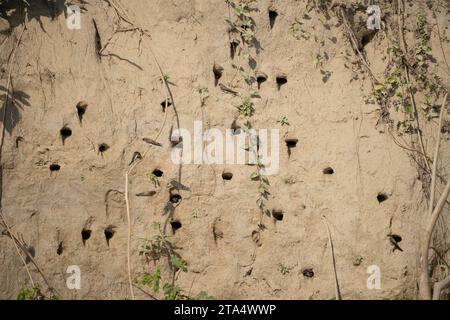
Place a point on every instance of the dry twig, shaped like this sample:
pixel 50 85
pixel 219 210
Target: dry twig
pixel 424 280
pixel 22 245
pixel 333 260
pixel 123 16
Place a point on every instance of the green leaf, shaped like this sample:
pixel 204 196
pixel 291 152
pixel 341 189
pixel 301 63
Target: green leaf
pixel 254 175
pixel 152 280
pixel 171 292
pixel 178 262
pixel 408 108
pixel 26 294
pixel 202 295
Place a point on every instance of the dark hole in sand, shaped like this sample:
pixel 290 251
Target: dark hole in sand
pixel 278 214
pixel 60 249
pixel 102 147
pixel 175 198
pixel 328 170
pixel 381 197
pixel 227 176
pixel 81 109
pixel 85 234
pixel 55 167
pixel 158 173
pixel 176 224
pixel 109 233
pixel 281 80
pixel 308 272
pixel 272 17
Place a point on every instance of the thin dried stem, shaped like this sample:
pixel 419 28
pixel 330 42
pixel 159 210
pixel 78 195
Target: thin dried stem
pixel 122 15
pixel 333 260
pixel 10 234
pixel 424 280
pixel 20 244
pixel 435 158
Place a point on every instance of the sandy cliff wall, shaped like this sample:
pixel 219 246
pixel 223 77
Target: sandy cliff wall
pixel 374 189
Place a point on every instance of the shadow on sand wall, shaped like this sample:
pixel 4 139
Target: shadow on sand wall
pixel 13 11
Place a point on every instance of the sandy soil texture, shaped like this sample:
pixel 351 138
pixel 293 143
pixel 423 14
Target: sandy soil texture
pixel 77 104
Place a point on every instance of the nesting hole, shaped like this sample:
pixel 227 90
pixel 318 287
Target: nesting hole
pixel 65 133
pixel 366 38
pixel 281 80
pixel 55 167
pixel 81 110
pixel 277 214
pixel 260 78
pixel 396 237
pixel 60 249
pixel 109 233
pixel 158 173
pixel 291 143
pixel 218 71
pixel 85 235
pixel 102 147
pixel 175 197
pixel 308 272
pixel 164 103
pixel 19 140
pixel 328 170
pixel 176 224
pixel 382 197
pixel 227 176
pixel 272 17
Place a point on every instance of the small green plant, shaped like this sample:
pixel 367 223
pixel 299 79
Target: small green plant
pixel 246 108
pixel 152 280
pixel 172 292
pixel 423 49
pixel 243 25
pixel 284 270
pixel 242 37
pixel 27 293
pixel 431 83
pixel 202 295
pixel 154 249
pixel 34 293
pixel 153 179
pixel 283 121
pixel 407 74
pixel 297 30
pixel 204 94
pixel 178 262
pixel 318 61
pixel 263 188
pixel 159 245
pixel 243 22
pixel 203 89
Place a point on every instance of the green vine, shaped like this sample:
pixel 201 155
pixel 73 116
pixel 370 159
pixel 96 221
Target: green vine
pixel 155 248
pixel 242 25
